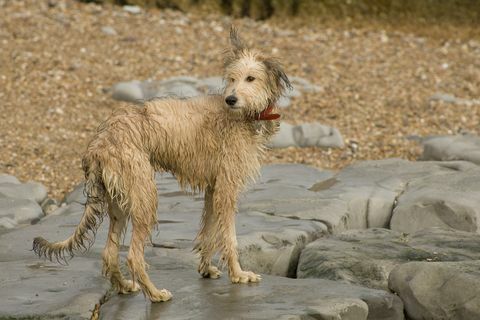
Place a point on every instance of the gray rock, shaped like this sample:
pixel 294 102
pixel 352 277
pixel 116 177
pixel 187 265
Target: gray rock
pixel 438 290
pixel 448 98
pixel 447 148
pixel 7 223
pixel 182 87
pixel 109 31
pixel 8 178
pixel 77 195
pixel 49 205
pixel 30 190
pixel 358 197
pixel 128 91
pixel 443 97
pixel 214 85
pixel 366 257
pixel 132 9
pixel 317 135
pixel 274 297
pixel 50 291
pixel 274 241
pixel 307 135
pixel 447 200
pixel 284 137
pixel 19 210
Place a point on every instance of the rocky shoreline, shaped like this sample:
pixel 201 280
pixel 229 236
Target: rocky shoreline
pixel 388 239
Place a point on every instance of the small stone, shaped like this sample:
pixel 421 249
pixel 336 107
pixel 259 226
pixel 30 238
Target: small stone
pixel 109 31
pixel 20 210
pixel 132 9
pixel 284 137
pixel 128 91
pixel 30 190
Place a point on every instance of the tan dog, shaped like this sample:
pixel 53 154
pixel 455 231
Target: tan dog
pixel 211 144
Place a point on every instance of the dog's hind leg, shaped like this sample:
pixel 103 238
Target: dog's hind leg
pixel 224 206
pixel 206 239
pixel 143 212
pixel 111 269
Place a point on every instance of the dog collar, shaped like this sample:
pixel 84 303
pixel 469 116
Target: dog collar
pixel 267 114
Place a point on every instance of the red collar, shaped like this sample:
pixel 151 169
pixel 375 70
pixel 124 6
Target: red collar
pixel 267 114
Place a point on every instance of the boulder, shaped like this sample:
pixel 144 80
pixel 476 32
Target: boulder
pixel 366 257
pixel 440 200
pixel 438 290
pixel 448 148
pixel 17 211
pixel 30 190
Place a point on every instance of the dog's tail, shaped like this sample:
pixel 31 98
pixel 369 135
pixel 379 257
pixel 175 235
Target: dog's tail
pixel 84 235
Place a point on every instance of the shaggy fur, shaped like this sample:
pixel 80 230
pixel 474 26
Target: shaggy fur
pixel 208 143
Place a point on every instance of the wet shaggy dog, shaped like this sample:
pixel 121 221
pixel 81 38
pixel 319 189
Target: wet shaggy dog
pixel 211 144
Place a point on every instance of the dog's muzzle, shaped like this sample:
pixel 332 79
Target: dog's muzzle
pixel 231 100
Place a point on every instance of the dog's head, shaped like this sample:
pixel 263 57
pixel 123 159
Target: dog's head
pixel 254 81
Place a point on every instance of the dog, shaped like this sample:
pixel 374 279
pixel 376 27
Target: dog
pixel 212 144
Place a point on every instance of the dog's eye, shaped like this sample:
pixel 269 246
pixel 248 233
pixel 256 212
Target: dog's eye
pixel 250 79
pixel 231 80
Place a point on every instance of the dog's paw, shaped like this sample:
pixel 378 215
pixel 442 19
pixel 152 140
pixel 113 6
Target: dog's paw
pixel 245 277
pixel 160 295
pixel 129 286
pixel 212 273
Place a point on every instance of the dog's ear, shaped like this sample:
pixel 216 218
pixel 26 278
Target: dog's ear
pixel 237 44
pixel 276 73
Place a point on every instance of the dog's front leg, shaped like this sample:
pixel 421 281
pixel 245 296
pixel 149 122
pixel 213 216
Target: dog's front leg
pixel 224 206
pixel 206 240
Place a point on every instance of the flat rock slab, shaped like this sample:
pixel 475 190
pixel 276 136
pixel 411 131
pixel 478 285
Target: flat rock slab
pixel 274 297
pixel 448 200
pixel 448 148
pixel 438 290
pixel 366 257
pixel 32 289
pixel 361 196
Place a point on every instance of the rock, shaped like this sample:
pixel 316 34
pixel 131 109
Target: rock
pixel 49 205
pixel 109 31
pixel 4 178
pixel 307 135
pixel 132 9
pixel 284 137
pixel 447 148
pixel 274 297
pixel 438 290
pixel 214 85
pixel 266 242
pixel 19 210
pixel 317 135
pixel 360 196
pixel 345 309
pixel 443 97
pixel 50 291
pixel 7 223
pixel 30 190
pixel 447 200
pixel 448 98
pixel 366 257
pixel 77 195
pixel 128 91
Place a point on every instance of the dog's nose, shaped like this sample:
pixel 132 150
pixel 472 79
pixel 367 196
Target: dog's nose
pixel 231 100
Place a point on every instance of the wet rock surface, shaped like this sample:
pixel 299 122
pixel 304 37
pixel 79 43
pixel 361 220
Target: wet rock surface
pixel 438 290
pixel 296 221
pixel 366 257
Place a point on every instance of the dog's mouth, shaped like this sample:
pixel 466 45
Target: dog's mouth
pixel 267 114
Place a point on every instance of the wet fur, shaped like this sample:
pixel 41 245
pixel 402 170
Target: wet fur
pixel 205 143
